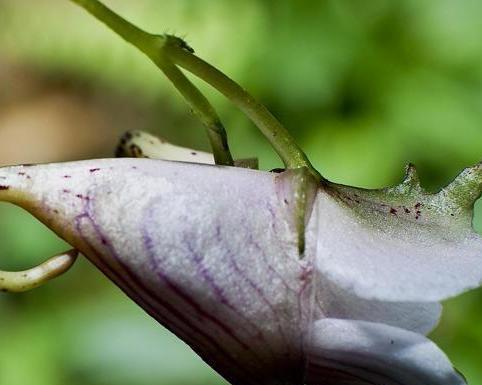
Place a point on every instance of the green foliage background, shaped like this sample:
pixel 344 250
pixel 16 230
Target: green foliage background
pixel 364 87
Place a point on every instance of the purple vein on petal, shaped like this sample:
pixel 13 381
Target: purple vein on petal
pixel 133 286
pixel 181 327
pixel 185 330
pixel 241 273
pixel 148 243
pixel 307 283
pixel 258 247
pixel 218 291
pixel 181 330
pixel 154 260
pixel 204 316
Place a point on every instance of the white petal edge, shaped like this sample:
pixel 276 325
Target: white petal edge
pixel 335 302
pixel 361 353
pixel 394 260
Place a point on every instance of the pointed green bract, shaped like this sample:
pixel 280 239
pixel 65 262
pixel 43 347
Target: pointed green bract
pixel 460 195
pixel 451 207
pixel 409 245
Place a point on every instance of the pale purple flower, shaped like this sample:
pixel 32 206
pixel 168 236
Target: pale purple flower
pixel 212 254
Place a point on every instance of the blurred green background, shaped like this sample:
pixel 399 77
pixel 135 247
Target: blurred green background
pixel 364 87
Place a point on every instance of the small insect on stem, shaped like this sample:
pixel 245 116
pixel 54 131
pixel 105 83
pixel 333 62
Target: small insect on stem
pixel 20 281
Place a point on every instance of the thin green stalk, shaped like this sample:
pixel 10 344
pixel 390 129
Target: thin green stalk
pixel 168 51
pixel 278 136
pixel 165 51
pixel 203 109
pixel 152 45
pixel 128 31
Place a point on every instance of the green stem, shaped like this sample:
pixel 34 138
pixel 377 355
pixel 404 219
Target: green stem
pixel 152 46
pixel 278 136
pixel 128 31
pixel 166 51
pixel 203 109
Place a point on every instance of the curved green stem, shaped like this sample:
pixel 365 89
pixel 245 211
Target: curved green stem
pixel 128 31
pixel 152 45
pixel 278 136
pixel 166 51
pixel 203 109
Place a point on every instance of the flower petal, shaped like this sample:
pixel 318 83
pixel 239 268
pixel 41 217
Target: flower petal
pixel 401 244
pixel 334 302
pixel 206 250
pixel 365 353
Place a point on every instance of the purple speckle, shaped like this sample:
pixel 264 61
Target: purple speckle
pixel 80 196
pixel 67 176
pixel 94 169
pixel 393 211
pixel 24 174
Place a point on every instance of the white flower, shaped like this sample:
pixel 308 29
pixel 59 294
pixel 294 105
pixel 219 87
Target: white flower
pixel 212 254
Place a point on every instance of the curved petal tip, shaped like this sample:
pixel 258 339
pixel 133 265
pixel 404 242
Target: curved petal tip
pixel 361 353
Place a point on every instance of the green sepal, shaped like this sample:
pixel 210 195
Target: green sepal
pixel 451 206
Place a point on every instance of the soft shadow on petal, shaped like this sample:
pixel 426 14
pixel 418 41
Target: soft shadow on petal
pixel 363 353
pixel 334 302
